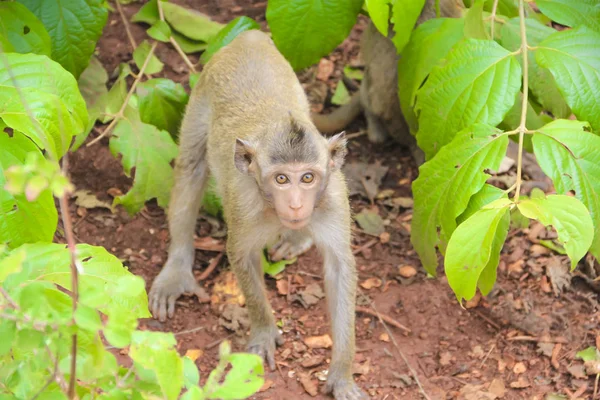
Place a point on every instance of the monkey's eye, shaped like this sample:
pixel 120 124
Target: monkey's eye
pixel 281 179
pixel 308 178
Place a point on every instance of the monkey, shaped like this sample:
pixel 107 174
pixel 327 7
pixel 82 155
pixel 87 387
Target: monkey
pixel 377 97
pixel 248 124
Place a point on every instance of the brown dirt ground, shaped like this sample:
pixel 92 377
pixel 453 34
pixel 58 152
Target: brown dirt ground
pixel 456 352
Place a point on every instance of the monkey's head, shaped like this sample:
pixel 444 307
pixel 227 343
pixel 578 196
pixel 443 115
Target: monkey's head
pixel 292 170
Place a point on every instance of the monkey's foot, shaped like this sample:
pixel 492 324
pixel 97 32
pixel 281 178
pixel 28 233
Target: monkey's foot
pixel 263 343
pixel 167 287
pixel 290 246
pixel 345 389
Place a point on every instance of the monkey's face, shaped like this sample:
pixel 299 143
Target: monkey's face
pixel 293 190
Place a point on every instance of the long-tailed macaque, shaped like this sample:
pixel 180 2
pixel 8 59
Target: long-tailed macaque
pixel 378 94
pixel 248 123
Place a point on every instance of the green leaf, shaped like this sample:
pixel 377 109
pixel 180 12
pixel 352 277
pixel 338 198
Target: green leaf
pixel 405 14
pixel 117 94
pixel 341 95
pixel 22 30
pixel 92 84
pixel 11 264
pixel 379 11
pixel 353 73
pixel 119 328
pixel 370 222
pixel 98 273
pixel 160 31
pixel 485 196
pixel 148 13
pixel 459 93
pixel 447 182
pixel 589 354
pixel 471 246
pixel 243 380
pixel 74 27
pixel 193 393
pixel 87 318
pixel 487 279
pixel 162 103
pixel 569 155
pixel 22 221
pixel 568 216
pixel 508 8
pixel 211 202
pixel 30 71
pixel 572 13
pixel 541 81
pixel 191 375
pixel 190 23
pixel 227 34
pixel 306 30
pixel 156 352
pixel 474 27
pixel 533 120
pixel 150 151
pixel 188 45
pixel 8 331
pixel 573 58
pixel 141 53
pixel 429 44
pixel 274 268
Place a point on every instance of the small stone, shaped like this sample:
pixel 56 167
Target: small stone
pixel 519 368
pixel 384 337
pixel 407 271
pixel 423 335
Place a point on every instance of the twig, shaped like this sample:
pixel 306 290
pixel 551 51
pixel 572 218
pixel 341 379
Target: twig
pixel 356 134
pixel 386 318
pixel 522 127
pixel 126 23
pixel 493 18
pixel 487 356
pixel 199 328
pixel 49 382
pixel 68 226
pixel 486 319
pixel 119 115
pixel 537 339
pixel 281 374
pixel 365 246
pixel 389 332
pixel 309 274
pixel 579 391
pixel 181 53
pixel 596 386
pixel 211 267
pixel 10 300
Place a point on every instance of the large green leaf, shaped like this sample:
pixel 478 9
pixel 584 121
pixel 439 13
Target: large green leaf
pixel 43 74
pixel 191 23
pixel 142 52
pixel 150 151
pixel 243 380
pixel 379 11
pixel 471 246
pixel 573 58
pixel 429 44
pixel 541 81
pixel 306 30
pixel 74 27
pixel 92 84
pixel 404 17
pixel 447 182
pixel 474 26
pixel 227 34
pixel 570 156
pixel 572 13
pixel 22 221
pixel 568 216
pixel 478 83
pixel 162 103
pixel 21 31
pixel 100 276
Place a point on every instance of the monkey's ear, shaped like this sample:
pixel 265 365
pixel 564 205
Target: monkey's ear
pixel 337 150
pixel 244 156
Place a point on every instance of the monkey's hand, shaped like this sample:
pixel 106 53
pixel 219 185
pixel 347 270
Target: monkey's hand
pixel 343 388
pixel 263 342
pixel 290 245
pixel 167 287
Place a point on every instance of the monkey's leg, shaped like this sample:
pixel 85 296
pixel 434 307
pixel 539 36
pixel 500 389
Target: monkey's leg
pixel 376 131
pixel 291 244
pixel 191 172
pixel 264 334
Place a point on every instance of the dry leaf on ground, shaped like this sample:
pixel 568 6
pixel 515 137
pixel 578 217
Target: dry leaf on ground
pixel 308 384
pixel 86 199
pixel 371 283
pixel 319 342
pixel 194 354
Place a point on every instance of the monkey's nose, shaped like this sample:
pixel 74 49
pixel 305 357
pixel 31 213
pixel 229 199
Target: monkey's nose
pixel 296 207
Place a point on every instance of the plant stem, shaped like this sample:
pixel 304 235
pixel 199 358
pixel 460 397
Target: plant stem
pixel 181 53
pixel 493 18
pixel 119 115
pixel 68 227
pixel 522 128
pixel 126 24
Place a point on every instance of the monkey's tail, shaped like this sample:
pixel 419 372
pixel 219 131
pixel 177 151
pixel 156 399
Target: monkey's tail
pixel 340 118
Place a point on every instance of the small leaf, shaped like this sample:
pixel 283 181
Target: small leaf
pixel 148 13
pixel 569 217
pixel 87 318
pixel 92 84
pixel 160 31
pixel 341 95
pixel 211 202
pixel 227 34
pixel 243 380
pixel 21 29
pixel 353 73
pixel 405 14
pixel 379 11
pixel 486 195
pixel 11 264
pixel 141 53
pixel 474 27
pixel 190 23
pixel 188 45
pixel 370 222
pixel 162 103
pixel 572 13
pixel 190 373
pixel 274 268
pixel 8 332
pixel 470 248
pixel 589 354
pixel 306 30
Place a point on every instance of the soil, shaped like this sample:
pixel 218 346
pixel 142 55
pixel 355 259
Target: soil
pixel 518 343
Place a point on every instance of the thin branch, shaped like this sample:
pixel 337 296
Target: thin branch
pixel 68 227
pixel 9 299
pixel 126 24
pixel 118 116
pixel 522 128
pixel 181 53
pixel 386 318
pixel 493 18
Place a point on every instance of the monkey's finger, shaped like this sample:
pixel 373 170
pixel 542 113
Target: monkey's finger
pixel 271 358
pixel 281 252
pixel 153 305
pixel 171 305
pixel 203 297
pixel 162 308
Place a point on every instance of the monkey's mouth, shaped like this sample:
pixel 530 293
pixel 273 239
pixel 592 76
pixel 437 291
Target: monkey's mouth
pixel 295 223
